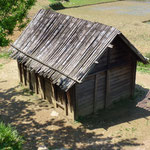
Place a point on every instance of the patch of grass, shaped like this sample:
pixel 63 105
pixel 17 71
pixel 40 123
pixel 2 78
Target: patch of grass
pixel 1 65
pixel 5 55
pixel 27 91
pixel 75 3
pixel 9 138
pixel 145 68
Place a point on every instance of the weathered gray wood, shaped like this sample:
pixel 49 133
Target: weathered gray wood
pixel 45 64
pixel 107 96
pixel 20 72
pixel 133 76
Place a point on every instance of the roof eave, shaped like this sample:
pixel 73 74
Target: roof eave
pixel 137 53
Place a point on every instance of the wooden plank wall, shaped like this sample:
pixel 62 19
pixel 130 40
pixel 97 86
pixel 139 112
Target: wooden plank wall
pixel 90 95
pixel 112 79
pixel 84 97
pixel 102 63
pixel 64 102
pixel 120 83
pixel 120 76
pixel 100 91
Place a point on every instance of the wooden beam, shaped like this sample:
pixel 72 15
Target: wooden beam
pixel 95 92
pixel 118 64
pixel 107 94
pixel 20 72
pixel 110 46
pixel 133 76
pixel 36 84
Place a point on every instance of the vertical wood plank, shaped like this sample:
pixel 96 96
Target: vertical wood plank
pixel 36 84
pixel 42 87
pixel 133 76
pixel 71 101
pixel 107 95
pixel 76 103
pixel 24 71
pixel 20 71
pixel 65 104
pixel 95 92
pixel 29 80
pixel 53 95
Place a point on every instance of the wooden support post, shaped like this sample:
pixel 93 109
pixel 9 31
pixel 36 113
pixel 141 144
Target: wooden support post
pixel 20 72
pixel 53 95
pixel 36 84
pixel 69 102
pixel 75 103
pixel 66 104
pixel 95 93
pixel 107 94
pixel 24 71
pixel 42 87
pixel 29 80
pixel 133 76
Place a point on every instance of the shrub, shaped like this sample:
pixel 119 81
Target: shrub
pixel 57 5
pixel 13 13
pixel 9 138
pixel 145 68
pixel 5 55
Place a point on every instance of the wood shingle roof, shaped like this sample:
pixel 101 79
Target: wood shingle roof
pixel 61 47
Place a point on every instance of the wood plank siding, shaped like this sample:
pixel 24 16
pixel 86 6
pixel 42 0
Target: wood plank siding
pixel 112 79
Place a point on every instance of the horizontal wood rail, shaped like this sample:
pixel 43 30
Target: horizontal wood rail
pixel 111 66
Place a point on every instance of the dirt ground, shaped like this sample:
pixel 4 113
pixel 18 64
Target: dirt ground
pixel 126 127
pixel 127 16
pixel 110 130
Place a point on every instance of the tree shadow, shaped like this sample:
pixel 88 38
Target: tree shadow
pixel 58 132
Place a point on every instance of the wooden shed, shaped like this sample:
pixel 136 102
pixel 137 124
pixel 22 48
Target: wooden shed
pixel 78 65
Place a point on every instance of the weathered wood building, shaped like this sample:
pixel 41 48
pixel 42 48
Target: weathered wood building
pixel 78 65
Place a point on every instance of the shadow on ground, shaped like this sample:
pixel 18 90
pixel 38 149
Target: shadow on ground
pixel 57 133
pixel 122 111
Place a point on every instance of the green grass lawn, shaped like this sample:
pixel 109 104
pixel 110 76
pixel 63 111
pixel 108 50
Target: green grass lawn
pixel 145 68
pixel 73 3
pixel 5 55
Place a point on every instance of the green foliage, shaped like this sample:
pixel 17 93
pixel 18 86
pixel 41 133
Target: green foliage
pixel 9 138
pixel 1 65
pixel 12 13
pixel 57 6
pixel 5 55
pixel 27 91
pixel 74 3
pixel 145 68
